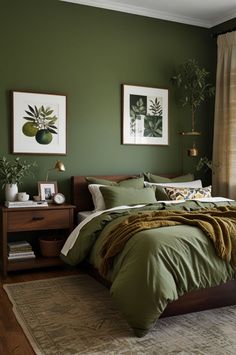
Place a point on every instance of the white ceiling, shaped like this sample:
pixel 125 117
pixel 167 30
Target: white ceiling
pixel 204 13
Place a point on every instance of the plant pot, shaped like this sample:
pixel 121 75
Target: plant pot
pixel 11 191
pixel 51 246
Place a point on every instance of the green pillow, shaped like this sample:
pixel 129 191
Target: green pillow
pixel 135 182
pixel 94 180
pixel 161 194
pixel 118 196
pixel 160 179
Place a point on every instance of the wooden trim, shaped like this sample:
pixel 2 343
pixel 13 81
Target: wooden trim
pixel 200 300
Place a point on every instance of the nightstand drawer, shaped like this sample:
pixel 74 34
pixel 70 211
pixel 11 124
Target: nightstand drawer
pixel 36 220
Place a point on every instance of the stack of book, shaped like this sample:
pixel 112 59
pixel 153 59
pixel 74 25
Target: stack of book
pixel 20 250
pixel 30 203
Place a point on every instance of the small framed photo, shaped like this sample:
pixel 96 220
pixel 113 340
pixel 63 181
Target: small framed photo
pixel 39 123
pixel 144 115
pixel 46 190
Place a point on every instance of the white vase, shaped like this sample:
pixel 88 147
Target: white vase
pixel 11 191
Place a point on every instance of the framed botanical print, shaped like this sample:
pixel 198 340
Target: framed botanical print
pixel 39 123
pixel 144 115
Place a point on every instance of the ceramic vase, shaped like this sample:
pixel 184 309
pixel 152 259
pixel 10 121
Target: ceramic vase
pixel 11 191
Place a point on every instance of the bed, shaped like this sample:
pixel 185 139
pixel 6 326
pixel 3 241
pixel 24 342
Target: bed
pixel 223 293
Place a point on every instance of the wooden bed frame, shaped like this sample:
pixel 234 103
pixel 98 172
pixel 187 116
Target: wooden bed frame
pixel 207 298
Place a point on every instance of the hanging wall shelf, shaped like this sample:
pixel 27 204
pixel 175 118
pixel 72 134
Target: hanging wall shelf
pixel 191 133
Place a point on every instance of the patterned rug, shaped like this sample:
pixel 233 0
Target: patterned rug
pixel 76 315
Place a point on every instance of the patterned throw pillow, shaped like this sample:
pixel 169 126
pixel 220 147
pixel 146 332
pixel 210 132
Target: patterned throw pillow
pixel 184 193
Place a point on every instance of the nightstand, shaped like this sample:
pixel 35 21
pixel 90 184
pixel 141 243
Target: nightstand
pixel 35 221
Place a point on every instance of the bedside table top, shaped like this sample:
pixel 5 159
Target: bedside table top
pixel 51 206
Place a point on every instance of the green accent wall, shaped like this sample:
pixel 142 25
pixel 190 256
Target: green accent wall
pixel 87 53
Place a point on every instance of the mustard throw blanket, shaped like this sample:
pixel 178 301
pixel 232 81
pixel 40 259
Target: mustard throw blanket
pixel 219 224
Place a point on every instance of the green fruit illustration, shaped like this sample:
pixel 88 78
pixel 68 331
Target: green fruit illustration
pixel 43 136
pixel 41 123
pixel 29 129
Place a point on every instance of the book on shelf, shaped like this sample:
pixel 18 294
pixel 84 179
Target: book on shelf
pixel 30 203
pixel 18 257
pixel 20 250
pixel 13 254
pixel 19 244
pixel 19 247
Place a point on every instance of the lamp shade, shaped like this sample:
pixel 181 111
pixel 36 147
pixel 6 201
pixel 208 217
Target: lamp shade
pixel 193 152
pixel 59 166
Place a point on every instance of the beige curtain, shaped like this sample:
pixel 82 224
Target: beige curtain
pixel 224 146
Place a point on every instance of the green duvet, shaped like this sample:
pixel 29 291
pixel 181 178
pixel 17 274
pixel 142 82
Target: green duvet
pixel 156 266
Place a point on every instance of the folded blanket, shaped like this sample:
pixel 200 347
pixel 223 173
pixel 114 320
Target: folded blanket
pixel 219 224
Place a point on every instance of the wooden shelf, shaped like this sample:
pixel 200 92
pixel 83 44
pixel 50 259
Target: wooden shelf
pixel 38 262
pixel 191 133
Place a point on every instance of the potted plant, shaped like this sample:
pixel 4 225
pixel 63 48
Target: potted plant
pixel 204 163
pixel 191 80
pixel 207 164
pixel 206 168
pixel 12 174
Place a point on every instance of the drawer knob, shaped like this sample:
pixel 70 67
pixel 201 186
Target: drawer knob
pixel 37 218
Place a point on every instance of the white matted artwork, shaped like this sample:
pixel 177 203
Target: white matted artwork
pixel 39 123
pixel 144 115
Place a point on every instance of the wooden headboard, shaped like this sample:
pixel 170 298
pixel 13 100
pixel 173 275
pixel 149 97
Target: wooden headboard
pixel 81 196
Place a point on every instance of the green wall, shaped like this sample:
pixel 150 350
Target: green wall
pixel 86 53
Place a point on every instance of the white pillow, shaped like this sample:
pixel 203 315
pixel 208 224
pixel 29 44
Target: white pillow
pixel 98 200
pixel 191 184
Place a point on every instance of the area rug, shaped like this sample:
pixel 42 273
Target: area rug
pixel 76 315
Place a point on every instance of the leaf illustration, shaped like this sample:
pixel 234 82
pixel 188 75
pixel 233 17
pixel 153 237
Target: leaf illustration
pixel 153 126
pixel 39 120
pixel 31 109
pixel 29 113
pixel 36 111
pixel 49 112
pixel 51 130
pixel 155 107
pixel 53 120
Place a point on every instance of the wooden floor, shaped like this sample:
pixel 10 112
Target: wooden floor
pixel 12 338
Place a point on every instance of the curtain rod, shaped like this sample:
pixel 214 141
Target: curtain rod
pixel 216 34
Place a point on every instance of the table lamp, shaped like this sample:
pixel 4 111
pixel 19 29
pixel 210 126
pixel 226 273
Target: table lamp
pixel 59 166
